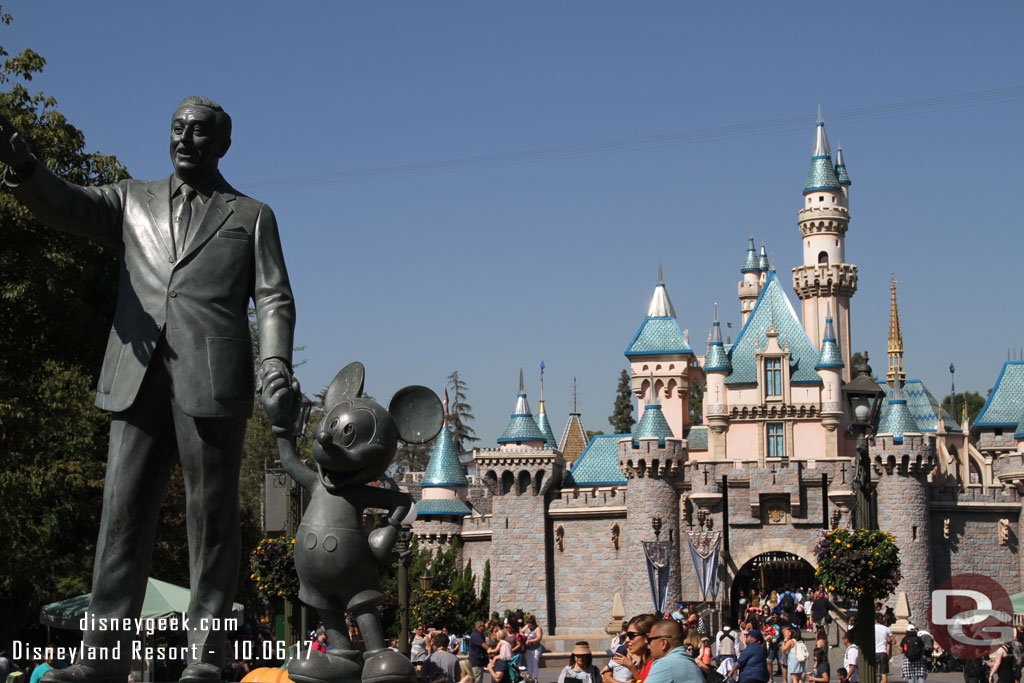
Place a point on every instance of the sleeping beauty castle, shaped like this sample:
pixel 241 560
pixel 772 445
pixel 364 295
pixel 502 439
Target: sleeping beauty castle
pixel 740 500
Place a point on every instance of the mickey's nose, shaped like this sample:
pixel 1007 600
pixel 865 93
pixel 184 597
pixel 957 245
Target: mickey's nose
pixel 324 437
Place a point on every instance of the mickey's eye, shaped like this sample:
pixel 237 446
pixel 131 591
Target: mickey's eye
pixel 360 427
pixel 334 424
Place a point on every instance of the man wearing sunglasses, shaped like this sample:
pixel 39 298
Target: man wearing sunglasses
pixel 672 664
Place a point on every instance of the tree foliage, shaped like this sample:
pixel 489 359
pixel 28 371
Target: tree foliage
pixel 621 418
pixel 57 298
pixel 460 414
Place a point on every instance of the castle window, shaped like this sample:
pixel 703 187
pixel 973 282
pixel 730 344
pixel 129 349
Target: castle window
pixel 773 377
pixel 821 198
pixel 776 444
pixel 823 257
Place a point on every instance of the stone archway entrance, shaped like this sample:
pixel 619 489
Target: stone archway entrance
pixel 773 570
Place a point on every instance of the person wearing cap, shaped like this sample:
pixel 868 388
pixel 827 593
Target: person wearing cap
pixel 581 665
pixel 672 663
pixel 752 665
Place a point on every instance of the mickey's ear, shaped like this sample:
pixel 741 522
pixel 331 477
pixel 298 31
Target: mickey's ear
pixel 417 413
pixel 346 384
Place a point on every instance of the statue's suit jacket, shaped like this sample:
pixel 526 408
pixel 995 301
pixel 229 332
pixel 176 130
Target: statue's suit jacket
pixel 198 300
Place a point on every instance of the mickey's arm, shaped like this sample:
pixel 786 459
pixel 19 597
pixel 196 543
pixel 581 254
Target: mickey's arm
pixel 382 540
pixel 306 477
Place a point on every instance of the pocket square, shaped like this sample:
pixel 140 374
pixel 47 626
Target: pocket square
pixel 235 233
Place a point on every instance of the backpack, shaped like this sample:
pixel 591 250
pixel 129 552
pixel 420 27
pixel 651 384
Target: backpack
pixel 800 651
pixel 1018 652
pixel 974 670
pixel 787 602
pixel 914 648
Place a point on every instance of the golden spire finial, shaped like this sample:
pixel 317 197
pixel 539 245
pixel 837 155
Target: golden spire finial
pixel 895 340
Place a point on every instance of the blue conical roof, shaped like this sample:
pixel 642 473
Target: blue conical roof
pixel 717 358
pixel 897 420
pixel 652 425
pixel 822 174
pixel 762 259
pixel 521 426
pixel 545 427
pixel 1019 433
pixel 830 356
pixel 750 261
pixel 444 468
pixel 659 333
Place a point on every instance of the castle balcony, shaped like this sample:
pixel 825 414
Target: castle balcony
pixel 825 279
pixel 1009 468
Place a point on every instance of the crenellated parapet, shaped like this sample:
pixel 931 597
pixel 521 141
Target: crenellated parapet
pixel 652 459
pixel 519 470
pixel 825 280
pixel 915 455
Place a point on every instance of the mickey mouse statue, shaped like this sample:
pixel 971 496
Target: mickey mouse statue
pixel 335 558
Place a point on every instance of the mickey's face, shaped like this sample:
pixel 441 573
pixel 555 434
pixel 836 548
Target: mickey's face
pixel 357 437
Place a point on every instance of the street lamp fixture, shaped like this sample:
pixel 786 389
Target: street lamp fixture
pixel 864 400
pixel 426 580
pixel 402 547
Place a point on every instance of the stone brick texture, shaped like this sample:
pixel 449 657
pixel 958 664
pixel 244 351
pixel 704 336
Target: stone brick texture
pixel 775 507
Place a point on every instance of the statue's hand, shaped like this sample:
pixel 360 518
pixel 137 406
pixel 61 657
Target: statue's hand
pixel 279 392
pixel 14 149
pixel 381 541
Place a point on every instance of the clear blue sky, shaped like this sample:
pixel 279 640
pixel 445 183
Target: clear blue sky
pixel 480 185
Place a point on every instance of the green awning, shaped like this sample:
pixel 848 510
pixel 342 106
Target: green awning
pixel 162 600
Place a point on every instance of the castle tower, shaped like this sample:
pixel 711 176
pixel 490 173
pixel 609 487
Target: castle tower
pixel 830 369
pixel 653 461
pixel 574 438
pixel 716 367
pixel 825 281
pixel 444 486
pixel 750 286
pixel 902 457
pixel 895 342
pixel 522 430
pixel 659 353
pixel 520 473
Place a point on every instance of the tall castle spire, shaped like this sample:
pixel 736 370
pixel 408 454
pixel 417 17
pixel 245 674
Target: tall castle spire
pixel 825 282
pixel 895 341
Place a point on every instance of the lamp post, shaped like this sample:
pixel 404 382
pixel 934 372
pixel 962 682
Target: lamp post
pixel 863 400
pixel 402 547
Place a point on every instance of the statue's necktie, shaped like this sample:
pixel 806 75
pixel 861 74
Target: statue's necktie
pixel 182 216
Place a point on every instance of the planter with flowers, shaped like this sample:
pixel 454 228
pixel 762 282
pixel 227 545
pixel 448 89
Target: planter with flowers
pixel 857 562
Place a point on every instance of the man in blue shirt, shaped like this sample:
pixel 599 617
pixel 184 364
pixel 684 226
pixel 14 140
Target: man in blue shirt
pixel 477 652
pixel 672 663
pixel 752 664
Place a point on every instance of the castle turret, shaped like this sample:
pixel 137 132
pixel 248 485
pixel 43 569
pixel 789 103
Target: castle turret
pixel 716 367
pixel 830 369
pixel 519 474
pixel 841 175
pixel 763 264
pixel 653 461
pixel 750 286
pixel 895 373
pixel 522 429
pixel 660 356
pixel 825 281
pixel 902 458
pixel 444 487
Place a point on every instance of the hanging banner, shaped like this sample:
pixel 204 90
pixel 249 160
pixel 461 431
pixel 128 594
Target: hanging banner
pixel 658 554
pixel 704 551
